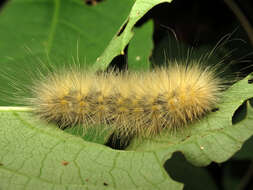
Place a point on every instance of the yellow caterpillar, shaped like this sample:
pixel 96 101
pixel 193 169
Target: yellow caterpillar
pixel 138 103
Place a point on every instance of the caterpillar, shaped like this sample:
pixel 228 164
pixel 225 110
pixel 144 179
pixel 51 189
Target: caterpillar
pixel 139 104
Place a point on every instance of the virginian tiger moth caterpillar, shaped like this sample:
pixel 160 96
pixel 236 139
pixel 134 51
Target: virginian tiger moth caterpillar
pixel 139 104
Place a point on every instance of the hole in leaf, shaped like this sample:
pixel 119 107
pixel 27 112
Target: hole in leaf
pixel 118 143
pixel 92 2
pixel 215 109
pixel 250 81
pixel 119 63
pixel 123 28
pixel 251 102
pixel 240 114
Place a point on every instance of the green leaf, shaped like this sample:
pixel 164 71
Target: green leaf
pixel 140 48
pixel 36 156
pixel 122 38
pixel 55 26
pixel 98 133
pixel 33 154
pixel 35 34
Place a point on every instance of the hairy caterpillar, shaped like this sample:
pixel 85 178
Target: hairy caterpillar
pixel 141 104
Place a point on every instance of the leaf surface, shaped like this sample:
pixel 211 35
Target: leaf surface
pixel 35 156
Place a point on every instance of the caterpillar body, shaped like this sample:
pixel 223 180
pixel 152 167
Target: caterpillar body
pixel 138 103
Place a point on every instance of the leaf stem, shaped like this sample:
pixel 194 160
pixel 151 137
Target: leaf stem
pixel 241 17
pixel 13 108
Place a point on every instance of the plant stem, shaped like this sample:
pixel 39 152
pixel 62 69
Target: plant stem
pixel 241 17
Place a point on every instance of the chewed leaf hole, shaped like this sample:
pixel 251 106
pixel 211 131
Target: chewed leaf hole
pixel 92 2
pixel 119 63
pixel 118 143
pixel 122 28
pixel 250 81
pixel 240 113
pixel 215 109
